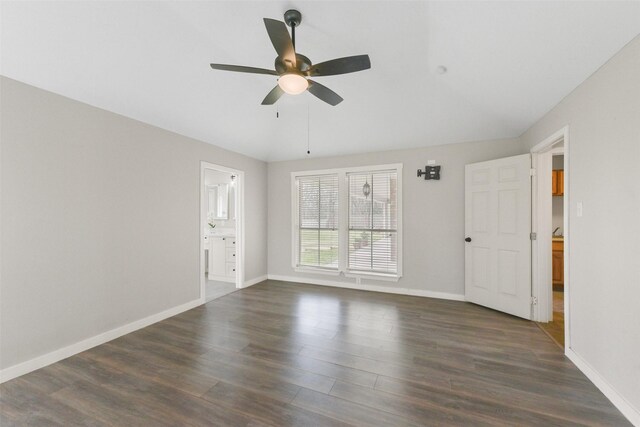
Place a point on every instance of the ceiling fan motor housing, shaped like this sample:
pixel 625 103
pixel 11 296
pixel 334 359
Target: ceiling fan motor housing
pixel 303 65
pixel 292 17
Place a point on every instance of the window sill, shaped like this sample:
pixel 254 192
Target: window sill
pixel 316 271
pixel 373 276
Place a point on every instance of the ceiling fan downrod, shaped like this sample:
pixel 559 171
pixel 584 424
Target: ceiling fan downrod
pixel 293 18
pixel 293 35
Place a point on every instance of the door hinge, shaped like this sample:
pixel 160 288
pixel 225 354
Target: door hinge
pixel 533 236
pixel 532 172
pixel 534 300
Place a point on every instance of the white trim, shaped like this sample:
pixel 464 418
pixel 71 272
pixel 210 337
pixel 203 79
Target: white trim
pixel 399 233
pixel 632 414
pixel 254 281
pixel 544 304
pixel 557 136
pixel 295 222
pixel 567 234
pixel 70 350
pixel 349 273
pixel 372 275
pixel 312 270
pixel 332 171
pixel 240 223
pixel 372 288
pixel 541 264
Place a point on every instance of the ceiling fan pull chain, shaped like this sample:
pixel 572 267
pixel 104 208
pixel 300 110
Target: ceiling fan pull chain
pixel 277 112
pixel 308 132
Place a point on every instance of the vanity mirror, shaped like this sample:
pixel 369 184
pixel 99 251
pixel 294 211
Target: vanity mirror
pixel 218 196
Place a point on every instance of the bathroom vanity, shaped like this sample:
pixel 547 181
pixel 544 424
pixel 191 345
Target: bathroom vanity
pixel 222 258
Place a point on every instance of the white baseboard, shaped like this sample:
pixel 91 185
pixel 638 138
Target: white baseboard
pixel 62 353
pixel 632 414
pixel 254 281
pixel 374 288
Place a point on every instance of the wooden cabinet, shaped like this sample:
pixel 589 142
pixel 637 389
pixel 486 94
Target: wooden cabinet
pixel 557 182
pixel 557 262
pixel 560 183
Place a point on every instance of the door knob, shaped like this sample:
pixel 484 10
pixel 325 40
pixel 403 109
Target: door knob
pixel 468 239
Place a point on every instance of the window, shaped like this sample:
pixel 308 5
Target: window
pixel 348 221
pixel 318 221
pixel 373 222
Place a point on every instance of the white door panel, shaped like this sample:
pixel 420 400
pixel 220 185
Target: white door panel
pixel 498 222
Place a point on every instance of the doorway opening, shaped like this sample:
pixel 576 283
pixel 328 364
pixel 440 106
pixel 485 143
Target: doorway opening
pixel 550 221
pixel 221 231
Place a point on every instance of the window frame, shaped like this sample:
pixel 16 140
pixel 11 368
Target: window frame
pixel 343 222
pixel 296 220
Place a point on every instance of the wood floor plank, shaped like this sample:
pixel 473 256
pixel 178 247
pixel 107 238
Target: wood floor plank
pixel 349 412
pixel 418 411
pixel 564 406
pixel 280 354
pixel 23 404
pixel 378 367
pixel 287 374
pixel 269 410
pixel 320 367
pixel 252 378
pixel 547 400
pixel 471 404
pixel 185 377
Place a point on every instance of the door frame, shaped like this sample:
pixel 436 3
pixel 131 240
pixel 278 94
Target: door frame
pixel 240 217
pixel 541 156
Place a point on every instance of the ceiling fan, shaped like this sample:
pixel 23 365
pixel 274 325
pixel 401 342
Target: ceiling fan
pixel 294 69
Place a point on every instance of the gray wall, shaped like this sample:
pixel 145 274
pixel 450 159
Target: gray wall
pixel 100 220
pixel 603 115
pixel 433 211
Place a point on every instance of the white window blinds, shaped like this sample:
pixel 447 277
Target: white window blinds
pixel 318 221
pixel 373 222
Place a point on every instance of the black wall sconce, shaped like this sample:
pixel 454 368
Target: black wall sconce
pixel 430 172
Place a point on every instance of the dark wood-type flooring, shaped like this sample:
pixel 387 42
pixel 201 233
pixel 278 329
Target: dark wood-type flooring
pixel 555 328
pixel 282 354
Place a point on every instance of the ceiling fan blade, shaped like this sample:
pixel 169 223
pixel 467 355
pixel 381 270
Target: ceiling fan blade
pixel 349 64
pixel 324 93
pixel 273 96
pixel 281 40
pixel 242 69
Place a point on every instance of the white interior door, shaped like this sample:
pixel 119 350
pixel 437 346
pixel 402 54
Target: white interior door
pixel 497 227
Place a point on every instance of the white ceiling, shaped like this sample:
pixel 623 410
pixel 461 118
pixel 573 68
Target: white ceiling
pixel 508 63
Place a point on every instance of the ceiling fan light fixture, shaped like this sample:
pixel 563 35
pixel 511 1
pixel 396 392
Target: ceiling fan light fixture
pixel 292 83
pixel 294 69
